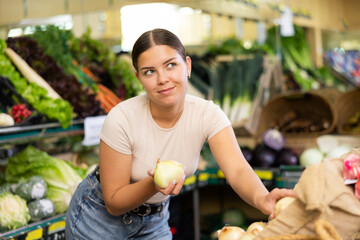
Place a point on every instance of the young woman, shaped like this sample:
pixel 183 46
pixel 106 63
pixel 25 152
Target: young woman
pixel 120 199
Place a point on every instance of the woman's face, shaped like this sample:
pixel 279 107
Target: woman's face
pixel 163 74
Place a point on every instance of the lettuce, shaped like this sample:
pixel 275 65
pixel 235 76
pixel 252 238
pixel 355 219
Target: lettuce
pixel 57 173
pixel 14 212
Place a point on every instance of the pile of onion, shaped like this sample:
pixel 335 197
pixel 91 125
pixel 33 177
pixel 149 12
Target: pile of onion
pixel 237 233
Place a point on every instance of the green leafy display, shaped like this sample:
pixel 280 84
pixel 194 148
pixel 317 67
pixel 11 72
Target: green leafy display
pixel 61 178
pixel 55 109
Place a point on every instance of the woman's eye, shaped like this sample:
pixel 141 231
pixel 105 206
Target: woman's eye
pixel 171 65
pixel 148 72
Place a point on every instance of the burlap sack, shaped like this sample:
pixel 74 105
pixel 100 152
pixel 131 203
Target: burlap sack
pixel 321 195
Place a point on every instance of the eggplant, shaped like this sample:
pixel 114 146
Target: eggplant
pixel 287 157
pixel 264 156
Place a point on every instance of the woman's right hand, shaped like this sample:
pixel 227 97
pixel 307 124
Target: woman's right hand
pixel 173 188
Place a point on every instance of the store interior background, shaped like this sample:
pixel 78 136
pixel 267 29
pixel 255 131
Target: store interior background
pixel 329 24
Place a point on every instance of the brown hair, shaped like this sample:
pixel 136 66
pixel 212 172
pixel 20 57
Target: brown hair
pixel 155 37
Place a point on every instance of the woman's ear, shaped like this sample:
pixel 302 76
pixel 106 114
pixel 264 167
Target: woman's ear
pixel 188 65
pixel 137 75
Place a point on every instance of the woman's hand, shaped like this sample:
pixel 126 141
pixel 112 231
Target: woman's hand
pixel 267 203
pixel 173 188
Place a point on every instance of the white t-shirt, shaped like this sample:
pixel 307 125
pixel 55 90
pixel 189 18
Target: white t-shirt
pixel 130 129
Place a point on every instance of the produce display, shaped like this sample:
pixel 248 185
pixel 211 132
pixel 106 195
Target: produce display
pixel 54 109
pixel 60 176
pixel 271 151
pixel 299 70
pixel 14 212
pixel 238 233
pixel 345 62
pixel 67 86
pixel 327 147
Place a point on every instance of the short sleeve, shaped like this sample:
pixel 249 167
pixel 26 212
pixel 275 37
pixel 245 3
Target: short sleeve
pixel 214 120
pixel 115 131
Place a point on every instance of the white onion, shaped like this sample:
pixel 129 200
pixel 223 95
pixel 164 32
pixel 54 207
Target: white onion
pixel 282 204
pixel 338 151
pixel 248 236
pixel 310 156
pixel 231 233
pixel 256 227
pixel 167 171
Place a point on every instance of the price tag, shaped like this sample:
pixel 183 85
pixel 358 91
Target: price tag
pixel 36 234
pixel 57 226
pixel 92 128
pixel 204 176
pixel 190 180
pixel 264 174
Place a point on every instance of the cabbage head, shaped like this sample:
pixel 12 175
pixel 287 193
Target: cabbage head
pixel 14 212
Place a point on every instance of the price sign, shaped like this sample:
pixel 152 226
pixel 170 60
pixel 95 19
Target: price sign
pixel 36 234
pixel 56 231
pixel 92 128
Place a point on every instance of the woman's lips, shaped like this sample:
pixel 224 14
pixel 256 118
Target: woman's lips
pixel 166 91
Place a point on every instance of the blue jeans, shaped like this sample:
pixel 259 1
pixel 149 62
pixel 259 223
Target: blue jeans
pixel 88 219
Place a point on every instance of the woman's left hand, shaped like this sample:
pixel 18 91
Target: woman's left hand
pixel 173 188
pixel 267 204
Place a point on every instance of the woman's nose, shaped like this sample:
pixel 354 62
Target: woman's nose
pixel 161 78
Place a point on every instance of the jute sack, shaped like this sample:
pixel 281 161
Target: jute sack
pixel 321 195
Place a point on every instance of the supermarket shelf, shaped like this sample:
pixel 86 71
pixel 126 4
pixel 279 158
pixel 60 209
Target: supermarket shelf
pixel 34 132
pixel 50 229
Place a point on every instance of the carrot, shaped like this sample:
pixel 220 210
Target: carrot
pixel 105 89
pixel 109 93
pixel 88 72
pixel 103 102
pixel 113 101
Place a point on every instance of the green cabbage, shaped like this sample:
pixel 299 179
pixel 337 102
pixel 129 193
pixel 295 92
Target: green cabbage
pixel 57 173
pixel 14 212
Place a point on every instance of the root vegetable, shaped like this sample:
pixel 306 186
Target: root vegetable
pixel 167 171
pixel 282 204
pixel 256 227
pixel 231 233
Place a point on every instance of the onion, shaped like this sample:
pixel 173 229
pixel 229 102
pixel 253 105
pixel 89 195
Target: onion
pixel 310 156
pixel 282 204
pixel 248 236
pixel 231 233
pixel 274 139
pixel 256 227
pixel 326 143
pixel 338 151
pixel 167 171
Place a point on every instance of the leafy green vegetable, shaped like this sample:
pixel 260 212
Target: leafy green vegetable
pixel 60 197
pixel 58 109
pixel 296 58
pixel 14 212
pixel 115 73
pixel 34 188
pixel 57 173
pixel 40 209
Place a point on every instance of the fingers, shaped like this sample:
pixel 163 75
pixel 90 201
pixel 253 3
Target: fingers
pixel 173 188
pixel 278 193
pixel 150 172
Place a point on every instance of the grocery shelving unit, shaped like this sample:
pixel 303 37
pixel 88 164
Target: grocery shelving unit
pixel 16 134
pixel 53 228
pixel 49 229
